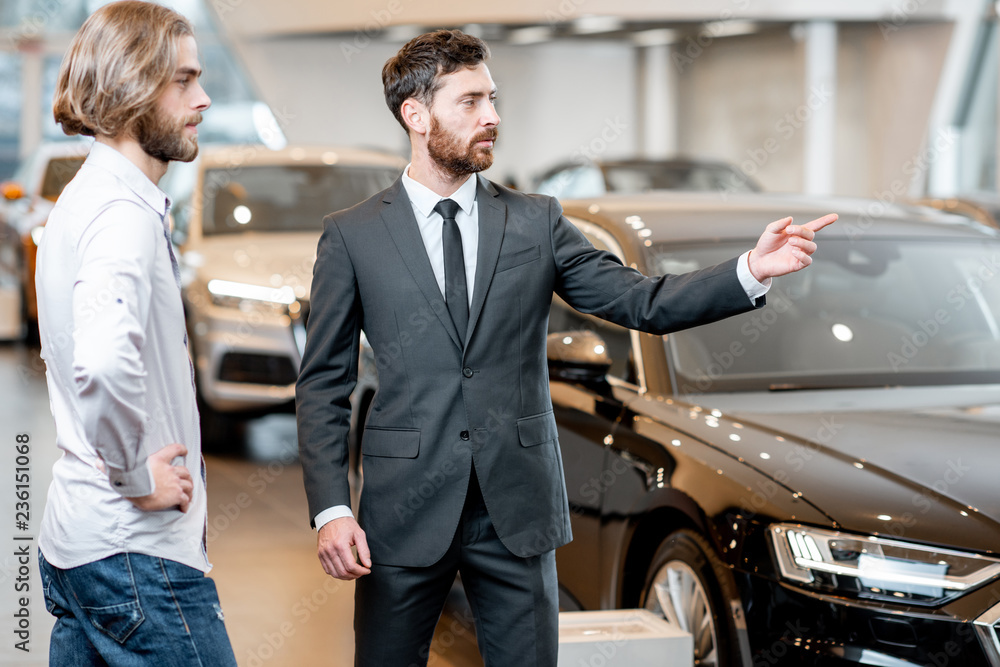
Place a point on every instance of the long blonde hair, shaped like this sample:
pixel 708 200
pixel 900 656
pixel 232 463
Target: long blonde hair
pixel 118 64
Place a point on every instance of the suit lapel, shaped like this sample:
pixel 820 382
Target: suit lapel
pixel 397 215
pixel 492 222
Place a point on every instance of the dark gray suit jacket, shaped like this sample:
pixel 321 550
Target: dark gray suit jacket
pixel 441 406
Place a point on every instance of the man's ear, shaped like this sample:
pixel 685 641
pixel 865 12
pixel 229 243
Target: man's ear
pixel 416 115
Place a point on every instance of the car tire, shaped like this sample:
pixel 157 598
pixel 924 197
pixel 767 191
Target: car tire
pixel 690 580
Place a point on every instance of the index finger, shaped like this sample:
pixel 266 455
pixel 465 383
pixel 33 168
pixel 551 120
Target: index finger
pixel 820 223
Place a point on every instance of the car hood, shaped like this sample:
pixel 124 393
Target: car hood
pixel 255 259
pixel 915 463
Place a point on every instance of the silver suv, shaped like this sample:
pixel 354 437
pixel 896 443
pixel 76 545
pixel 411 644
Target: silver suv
pixel 247 236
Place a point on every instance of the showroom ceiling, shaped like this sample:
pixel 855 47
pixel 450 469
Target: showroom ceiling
pixel 265 17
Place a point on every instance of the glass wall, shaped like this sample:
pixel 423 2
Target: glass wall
pixel 978 119
pixel 10 112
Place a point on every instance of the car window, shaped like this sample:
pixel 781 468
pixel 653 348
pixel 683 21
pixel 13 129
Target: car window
pixel 644 177
pixel 58 173
pixel 882 311
pixel 618 339
pixel 574 182
pixel 285 198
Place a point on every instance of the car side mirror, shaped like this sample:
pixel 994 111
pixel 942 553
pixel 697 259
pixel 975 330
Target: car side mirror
pixel 11 191
pixel 578 357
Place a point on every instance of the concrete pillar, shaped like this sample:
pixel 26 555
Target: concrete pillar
pixel 820 84
pixel 32 70
pixel 939 175
pixel 657 109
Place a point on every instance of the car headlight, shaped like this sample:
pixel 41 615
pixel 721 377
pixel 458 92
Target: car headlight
pixel 248 297
pixel 877 567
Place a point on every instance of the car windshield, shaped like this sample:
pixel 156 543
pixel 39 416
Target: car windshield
pixel 279 198
pixel 880 312
pixel 643 177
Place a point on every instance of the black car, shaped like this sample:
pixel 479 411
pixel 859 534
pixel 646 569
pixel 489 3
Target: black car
pixel 813 483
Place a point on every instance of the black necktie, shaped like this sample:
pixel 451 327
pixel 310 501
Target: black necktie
pixel 456 292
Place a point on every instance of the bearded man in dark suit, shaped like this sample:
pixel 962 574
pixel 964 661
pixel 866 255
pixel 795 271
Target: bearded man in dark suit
pixel 451 277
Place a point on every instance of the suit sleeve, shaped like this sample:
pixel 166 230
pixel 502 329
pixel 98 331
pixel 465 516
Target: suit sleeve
pixel 595 282
pixel 328 374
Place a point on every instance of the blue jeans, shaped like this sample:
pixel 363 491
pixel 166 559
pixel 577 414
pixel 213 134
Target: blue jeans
pixel 131 610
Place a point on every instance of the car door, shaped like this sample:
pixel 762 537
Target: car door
pixel 588 418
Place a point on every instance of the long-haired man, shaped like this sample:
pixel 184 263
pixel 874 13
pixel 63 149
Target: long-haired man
pixel 121 548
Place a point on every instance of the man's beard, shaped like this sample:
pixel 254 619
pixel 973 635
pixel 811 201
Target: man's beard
pixel 163 138
pixel 448 151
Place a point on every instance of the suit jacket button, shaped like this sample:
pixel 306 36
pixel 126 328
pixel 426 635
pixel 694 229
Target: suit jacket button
pixel 467 372
pixel 464 435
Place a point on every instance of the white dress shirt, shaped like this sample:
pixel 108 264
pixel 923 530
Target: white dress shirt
pixel 431 224
pixel 120 380
pixel 423 200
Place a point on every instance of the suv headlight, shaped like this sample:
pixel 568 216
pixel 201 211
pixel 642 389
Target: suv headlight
pixel 248 297
pixel 876 567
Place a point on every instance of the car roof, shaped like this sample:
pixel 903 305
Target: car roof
pixel 227 155
pixel 679 161
pixel 699 216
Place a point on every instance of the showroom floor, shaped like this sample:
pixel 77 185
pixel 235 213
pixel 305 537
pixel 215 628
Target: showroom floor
pixel 281 609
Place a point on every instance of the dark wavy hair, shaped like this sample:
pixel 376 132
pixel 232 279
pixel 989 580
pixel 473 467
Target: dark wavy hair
pixel 416 70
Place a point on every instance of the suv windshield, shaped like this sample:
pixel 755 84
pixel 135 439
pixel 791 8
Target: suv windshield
pixel 882 312
pixel 280 198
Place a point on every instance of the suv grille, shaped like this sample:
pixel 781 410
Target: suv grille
pixel 257 369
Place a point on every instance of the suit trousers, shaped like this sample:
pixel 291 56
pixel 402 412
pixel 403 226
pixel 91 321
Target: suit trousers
pixel 514 601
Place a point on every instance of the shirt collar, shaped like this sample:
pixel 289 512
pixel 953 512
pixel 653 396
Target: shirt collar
pixel 106 157
pixel 425 199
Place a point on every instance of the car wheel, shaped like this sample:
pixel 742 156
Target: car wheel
pixel 683 588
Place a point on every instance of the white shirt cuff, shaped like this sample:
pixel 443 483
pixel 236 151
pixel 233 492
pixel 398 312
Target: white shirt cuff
pixel 753 288
pixel 328 515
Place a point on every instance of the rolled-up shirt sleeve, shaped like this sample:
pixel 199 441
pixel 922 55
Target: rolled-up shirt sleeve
pixel 111 299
